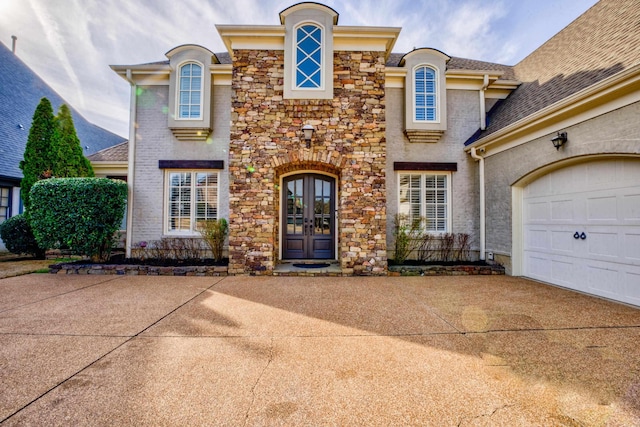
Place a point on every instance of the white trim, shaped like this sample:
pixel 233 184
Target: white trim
pixel 449 175
pixel 436 93
pixel 177 94
pixel 131 161
pixel 620 90
pixel 193 208
pixel 282 204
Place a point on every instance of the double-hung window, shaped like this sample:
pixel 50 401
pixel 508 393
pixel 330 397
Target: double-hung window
pixel 425 94
pixel 426 197
pixel 5 203
pixel 192 197
pixel 190 88
pixel 308 57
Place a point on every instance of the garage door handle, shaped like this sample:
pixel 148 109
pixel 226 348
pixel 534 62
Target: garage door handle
pixel 576 236
pixel 583 236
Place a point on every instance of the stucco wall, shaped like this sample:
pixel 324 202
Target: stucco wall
pixel 154 142
pixel 463 119
pixel 617 132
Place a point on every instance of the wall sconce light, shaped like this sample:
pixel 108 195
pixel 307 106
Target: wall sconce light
pixel 559 140
pixel 308 133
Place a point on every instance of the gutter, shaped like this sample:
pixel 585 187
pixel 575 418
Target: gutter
pixel 131 159
pixel 480 159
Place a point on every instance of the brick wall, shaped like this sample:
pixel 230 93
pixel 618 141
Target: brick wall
pixel 266 142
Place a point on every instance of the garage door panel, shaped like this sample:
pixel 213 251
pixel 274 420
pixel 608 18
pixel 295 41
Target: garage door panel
pixel 632 243
pixel 602 208
pixel 603 244
pixel 562 241
pixel 563 271
pixel 631 207
pixel 562 210
pixel 600 199
pixel 537 239
pixel 537 211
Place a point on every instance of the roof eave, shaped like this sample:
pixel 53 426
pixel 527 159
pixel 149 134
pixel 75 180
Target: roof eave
pixel 607 89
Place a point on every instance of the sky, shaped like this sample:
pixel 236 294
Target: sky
pixel 71 43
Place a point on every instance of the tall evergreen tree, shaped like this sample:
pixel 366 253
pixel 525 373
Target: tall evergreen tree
pixel 70 162
pixel 39 152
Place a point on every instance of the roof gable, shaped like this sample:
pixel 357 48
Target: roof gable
pixel 20 92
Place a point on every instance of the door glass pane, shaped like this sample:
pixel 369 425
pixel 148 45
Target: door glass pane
pixel 295 207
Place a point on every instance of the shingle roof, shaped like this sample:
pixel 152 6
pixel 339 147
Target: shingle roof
pixel 600 43
pixel 20 92
pixel 456 63
pixel 117 153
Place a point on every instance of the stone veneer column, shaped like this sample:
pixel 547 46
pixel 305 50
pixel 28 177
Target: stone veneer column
pixel 266 142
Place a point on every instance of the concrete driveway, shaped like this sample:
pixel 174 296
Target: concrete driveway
pixel 114 350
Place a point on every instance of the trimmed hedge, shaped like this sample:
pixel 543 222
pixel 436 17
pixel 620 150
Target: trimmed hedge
pixel 18 237
pixel 82 214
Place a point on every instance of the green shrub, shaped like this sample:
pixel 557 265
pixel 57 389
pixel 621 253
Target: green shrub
pixel 408 236
pixel 82 214
pixel 18 237
pixel 214 233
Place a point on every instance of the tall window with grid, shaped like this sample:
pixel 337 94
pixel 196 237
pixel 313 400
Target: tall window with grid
pixel 190 105
pixel 308 57
pixel 425 94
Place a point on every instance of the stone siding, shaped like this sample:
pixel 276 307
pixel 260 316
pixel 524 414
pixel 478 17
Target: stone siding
pixel 266 143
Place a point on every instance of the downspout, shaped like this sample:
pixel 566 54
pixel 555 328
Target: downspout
pixel 131 159
pixel 483 112
pixel 480 159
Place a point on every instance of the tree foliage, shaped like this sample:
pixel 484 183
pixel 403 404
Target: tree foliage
pixel 53 149
pixel 39 153
pixel 18 237
pixel 82 214
pixel 69 159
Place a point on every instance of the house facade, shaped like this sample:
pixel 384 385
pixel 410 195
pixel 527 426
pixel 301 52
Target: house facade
pixel 310 137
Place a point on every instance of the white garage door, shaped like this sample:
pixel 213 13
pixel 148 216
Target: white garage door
pixel 582 229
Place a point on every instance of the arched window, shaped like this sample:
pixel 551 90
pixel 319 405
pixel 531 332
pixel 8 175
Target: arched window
pixel 308 57
pixel 425 81
pixel 190 105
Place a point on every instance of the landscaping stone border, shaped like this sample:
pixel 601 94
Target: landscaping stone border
pixel 137 270
pixel 445 270
pixel 146 270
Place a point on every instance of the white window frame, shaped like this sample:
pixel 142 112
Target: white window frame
pixel 5 196
pixel 436 93
pixel 294 63
pixel 192 231
pixel 423 204
pixel 178 90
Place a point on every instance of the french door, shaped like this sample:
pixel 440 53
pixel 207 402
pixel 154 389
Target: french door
pixel 308 217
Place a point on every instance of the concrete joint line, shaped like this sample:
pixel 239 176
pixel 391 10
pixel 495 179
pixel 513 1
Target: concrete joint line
pixel 253 389
pixel 130 338
pixel 499 408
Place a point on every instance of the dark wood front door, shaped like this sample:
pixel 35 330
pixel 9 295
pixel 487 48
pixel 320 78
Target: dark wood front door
pixel 309 217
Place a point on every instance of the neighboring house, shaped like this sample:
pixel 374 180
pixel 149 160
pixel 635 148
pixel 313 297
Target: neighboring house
pixel 20 92
pixel 464 143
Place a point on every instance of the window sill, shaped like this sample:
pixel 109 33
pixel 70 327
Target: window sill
pixel 423 136
pixel 191 133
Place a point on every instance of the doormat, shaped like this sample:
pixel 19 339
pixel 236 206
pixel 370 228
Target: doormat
pixel 311 265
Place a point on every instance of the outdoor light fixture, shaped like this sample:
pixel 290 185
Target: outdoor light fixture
pixel 308 133
pixel 559 140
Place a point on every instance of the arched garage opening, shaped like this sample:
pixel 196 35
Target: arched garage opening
pixel 576 224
